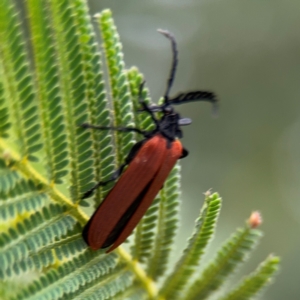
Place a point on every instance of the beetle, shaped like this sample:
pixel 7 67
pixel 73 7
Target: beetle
pixel 149 163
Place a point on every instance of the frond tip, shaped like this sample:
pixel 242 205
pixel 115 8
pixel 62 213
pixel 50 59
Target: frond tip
pixel 187 265
pixel 252 284
pixel 234 251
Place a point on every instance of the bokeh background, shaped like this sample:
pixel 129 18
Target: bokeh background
pixel 248 52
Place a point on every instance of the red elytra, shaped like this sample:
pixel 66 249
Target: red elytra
pixel 137 186
pixel 150 161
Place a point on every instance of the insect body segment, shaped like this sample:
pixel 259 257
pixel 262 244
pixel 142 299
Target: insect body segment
pixel 150 161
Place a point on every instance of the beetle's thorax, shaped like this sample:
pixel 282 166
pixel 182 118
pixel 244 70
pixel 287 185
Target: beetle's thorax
pixel 169 127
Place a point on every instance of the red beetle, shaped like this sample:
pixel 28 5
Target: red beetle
pixel 150 161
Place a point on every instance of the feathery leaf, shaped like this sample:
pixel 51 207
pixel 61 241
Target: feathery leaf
pixel 186 266
pixel 235 250
pixel 18 84
pixel 167 225
pixel 253 283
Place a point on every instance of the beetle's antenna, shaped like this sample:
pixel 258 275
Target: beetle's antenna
pixel 170 81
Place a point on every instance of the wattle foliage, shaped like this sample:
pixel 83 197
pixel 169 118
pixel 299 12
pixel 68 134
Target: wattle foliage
pixel 47 162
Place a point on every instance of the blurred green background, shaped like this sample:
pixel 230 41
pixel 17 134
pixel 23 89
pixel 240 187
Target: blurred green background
pixel 248 52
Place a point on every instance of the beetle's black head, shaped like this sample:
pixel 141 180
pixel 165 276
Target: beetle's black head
pixel 169 125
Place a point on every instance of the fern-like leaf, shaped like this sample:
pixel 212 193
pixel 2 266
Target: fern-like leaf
pixel 25 197
pixel 73 83
pixel 253 283
pixel 186 266
pixel 71 278
pixel 18 84
pixel 9 177
pixel 228 258
pixel 43 102
pixel 47 81
pixel 167 225
pixel 4 114
pixel 120 90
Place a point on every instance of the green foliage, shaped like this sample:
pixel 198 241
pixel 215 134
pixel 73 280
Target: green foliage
pixel 186 266
pixel 120 89
pixel 47 161
pixel 228 258
pixel 253 283
pixel 17 84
